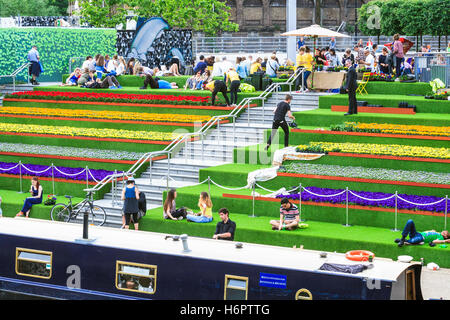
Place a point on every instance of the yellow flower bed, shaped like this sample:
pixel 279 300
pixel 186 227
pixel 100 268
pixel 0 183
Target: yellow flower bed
pixel 403 129
pixel 87 132
pixel 105 114
pixel 381 149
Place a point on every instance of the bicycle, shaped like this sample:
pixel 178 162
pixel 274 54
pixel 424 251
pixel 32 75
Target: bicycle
pixel 67 212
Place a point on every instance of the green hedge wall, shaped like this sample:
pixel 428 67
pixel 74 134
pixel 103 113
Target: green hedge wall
pixel 55 45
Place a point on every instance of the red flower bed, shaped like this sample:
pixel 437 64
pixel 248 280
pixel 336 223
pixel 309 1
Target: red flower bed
pixel 112 97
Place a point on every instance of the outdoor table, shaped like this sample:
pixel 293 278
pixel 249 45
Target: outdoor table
pixel 326 80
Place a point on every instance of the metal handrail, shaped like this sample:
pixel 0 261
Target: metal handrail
pixel 16 72
pixel 184 138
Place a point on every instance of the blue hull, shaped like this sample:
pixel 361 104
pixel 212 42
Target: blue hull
pixel 178 277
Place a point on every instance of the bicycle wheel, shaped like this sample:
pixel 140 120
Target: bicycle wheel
pixel 98 216
pixel 60 212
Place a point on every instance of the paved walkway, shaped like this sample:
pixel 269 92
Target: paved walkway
pixel 435 284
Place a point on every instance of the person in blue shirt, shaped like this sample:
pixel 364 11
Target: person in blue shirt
pixel 35 67
pixel 201 65
pixel 240 67
pixel 300 43
pixel 332 43
pixel 272 67
pixel 36 192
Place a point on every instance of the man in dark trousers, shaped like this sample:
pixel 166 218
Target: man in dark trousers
pixel 350 87
pixel 279 120
pixel 215 87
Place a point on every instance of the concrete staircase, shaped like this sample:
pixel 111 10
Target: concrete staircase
pixel 215 149
pixel 8 88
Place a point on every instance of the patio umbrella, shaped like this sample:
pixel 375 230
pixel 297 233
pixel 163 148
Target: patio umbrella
pixel 314 31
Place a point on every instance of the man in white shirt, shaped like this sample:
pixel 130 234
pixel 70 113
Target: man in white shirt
pixel 370 61
pixel 226 65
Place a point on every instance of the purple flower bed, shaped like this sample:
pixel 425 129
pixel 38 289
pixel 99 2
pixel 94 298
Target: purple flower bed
pixel 388 203
pixel 66 172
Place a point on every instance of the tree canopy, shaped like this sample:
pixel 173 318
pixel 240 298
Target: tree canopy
pixel 407 17
pixel 10 8
pixel 209 16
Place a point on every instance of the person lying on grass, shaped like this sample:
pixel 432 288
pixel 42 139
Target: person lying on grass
pixel 289 216
pixel 431 237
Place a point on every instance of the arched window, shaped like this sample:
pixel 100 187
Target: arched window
pixel 305 3
pixel 278 3
pixel 253 3
pixel 330 4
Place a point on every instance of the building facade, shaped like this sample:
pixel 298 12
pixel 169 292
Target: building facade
pixel 270 15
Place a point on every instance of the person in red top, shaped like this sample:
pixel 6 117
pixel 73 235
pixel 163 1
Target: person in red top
pixel 397 50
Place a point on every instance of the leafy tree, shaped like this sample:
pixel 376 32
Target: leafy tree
pixel 61 5
pixel 103 13
pixel 369 18
pixel 392 17
pixel 10 8
pixel 438 18
pixel 209 16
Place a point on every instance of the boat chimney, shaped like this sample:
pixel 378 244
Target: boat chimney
pixel 85 225
pixel 184 238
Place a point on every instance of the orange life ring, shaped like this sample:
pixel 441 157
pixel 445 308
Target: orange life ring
pixel 359 255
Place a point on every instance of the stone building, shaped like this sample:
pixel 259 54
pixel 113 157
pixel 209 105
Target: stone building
pixel 270 15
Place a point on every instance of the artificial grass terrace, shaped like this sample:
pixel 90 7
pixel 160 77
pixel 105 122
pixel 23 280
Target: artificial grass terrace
pixel 255 154
pixel 422 105
pixel 191 110
pixel 297 138
pixel 318 236
pixel 96 123
pixel 237 174
pixel 398 88
pixel 136 90
pixel 325 117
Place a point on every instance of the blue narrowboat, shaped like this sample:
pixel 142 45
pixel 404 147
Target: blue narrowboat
pixel 56 260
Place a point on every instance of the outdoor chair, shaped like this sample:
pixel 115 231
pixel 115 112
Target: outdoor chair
pixel 362 84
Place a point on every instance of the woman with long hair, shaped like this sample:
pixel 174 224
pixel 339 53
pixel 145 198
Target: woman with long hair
pixel 170 210
pixel 130 196
pixel 36 198
pixel 205 206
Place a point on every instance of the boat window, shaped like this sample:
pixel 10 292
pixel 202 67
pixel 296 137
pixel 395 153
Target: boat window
pixel 137 277
pixel 303 294
pixel 236 288
pixel 34 263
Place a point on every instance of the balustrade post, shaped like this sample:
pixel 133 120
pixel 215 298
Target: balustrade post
pixel 395 217
pixel 346 208
pixel 87 177
pixel 300 201
pixel 209 186
pixel 20 174
pixel 53 180
pixel 445 213
pixel 253 196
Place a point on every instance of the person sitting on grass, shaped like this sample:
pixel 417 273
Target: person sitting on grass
pixel 36 198
pixel 72 79
pixel 289 216
pixel 431 237
pixel 109 82
pixel 156 83
pixel 170 209
pixel 191 83
pixel 225 228
pixel 205 205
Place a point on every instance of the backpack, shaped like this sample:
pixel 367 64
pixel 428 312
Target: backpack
pixel 245 87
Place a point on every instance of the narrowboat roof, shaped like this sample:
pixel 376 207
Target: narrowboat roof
pixel 202 248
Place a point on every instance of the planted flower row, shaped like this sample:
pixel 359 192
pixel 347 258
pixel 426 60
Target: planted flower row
pixel 105 114
pixel 55 172
pixel 368 173
pixel 392 128
pixel 376 149
pixel 70 152
pixel 112 97
pixel 419 203
pixel 87 132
